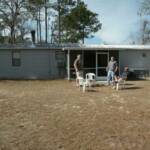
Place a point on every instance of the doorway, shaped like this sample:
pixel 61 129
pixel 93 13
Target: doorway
pixel 102 59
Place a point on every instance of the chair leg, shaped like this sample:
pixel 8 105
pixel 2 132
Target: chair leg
pixel 117 86
pixel 80 87
pixel 124 84
pixel 84 86
pixel 77 82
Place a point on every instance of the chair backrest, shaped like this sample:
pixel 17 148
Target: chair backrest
pixel 90 76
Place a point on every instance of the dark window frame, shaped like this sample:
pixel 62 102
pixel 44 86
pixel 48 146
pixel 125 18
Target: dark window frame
pixel 16 62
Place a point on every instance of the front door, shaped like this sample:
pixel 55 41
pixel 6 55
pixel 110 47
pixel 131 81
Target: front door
pixel 102 59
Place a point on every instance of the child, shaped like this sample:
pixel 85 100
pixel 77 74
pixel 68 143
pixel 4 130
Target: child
pixel 121 78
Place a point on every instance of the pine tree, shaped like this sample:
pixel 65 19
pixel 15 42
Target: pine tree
pixel 80 23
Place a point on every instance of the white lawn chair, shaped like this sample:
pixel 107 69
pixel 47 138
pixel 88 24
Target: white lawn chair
pixel 89 81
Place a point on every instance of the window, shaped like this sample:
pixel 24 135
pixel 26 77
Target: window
pixel 16 59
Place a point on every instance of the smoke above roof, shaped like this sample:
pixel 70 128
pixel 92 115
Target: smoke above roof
pixel 121 23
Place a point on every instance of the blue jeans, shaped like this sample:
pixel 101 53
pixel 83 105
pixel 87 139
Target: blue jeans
pixel 110 76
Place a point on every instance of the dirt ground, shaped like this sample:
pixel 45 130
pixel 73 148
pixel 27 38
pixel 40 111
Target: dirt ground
pixel 56 115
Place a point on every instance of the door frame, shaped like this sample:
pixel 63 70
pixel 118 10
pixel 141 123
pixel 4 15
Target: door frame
pixel 101 77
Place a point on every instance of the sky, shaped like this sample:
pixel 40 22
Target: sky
pixel 119 18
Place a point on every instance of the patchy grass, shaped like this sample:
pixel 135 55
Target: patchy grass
pixel 55 115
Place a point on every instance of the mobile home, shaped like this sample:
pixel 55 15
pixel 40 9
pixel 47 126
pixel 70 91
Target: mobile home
pixel 53 61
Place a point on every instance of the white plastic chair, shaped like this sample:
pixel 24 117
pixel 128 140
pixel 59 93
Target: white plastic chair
pixel 89 81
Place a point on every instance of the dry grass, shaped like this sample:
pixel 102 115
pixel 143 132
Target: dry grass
pixel 55 115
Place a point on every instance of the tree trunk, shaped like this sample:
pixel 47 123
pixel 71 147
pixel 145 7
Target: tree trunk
pixel 83 36
pixel 37 30
pixel 22 35
pixel 40 25
pixel 83 40
pixel 12 36
pixel 59 20
pixel 45 21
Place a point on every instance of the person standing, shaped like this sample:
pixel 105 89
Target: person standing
pixel 77 66
pixel 112 68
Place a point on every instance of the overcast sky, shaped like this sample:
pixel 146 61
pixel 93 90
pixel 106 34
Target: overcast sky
pixel 119 20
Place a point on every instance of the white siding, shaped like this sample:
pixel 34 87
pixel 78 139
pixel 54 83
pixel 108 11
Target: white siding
pixel 135 59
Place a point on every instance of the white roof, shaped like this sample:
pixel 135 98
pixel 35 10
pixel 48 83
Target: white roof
pixel 75 46
pixel 109 47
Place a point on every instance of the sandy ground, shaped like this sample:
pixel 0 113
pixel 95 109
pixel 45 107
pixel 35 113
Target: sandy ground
pixel 55 115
